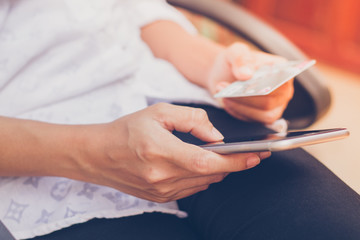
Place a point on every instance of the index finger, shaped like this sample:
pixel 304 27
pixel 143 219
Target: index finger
pixel 188 119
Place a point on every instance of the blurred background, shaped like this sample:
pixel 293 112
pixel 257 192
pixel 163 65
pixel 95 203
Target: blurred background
pixel 328 31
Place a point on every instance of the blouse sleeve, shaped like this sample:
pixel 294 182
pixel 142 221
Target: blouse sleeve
pixel 146 11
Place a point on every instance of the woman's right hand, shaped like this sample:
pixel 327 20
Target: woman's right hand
pixel 139 155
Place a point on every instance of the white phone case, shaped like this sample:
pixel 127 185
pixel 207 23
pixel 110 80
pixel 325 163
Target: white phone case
pixel 278 142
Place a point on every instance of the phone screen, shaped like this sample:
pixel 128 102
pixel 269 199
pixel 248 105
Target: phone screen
pixel 273 136
pixel 276 141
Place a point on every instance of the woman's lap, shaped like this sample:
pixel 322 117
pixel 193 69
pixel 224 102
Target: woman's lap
pixel 286 197
pixel 282 198
pixel 289 196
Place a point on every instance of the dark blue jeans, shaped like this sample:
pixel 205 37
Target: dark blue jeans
pixel 288 196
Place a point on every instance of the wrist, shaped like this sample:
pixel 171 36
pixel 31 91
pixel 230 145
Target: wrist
pixel 204 56
pixel 98 149
pixel 84 148
pixel 192 55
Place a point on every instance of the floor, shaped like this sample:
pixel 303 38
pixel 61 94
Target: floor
pixel 342 157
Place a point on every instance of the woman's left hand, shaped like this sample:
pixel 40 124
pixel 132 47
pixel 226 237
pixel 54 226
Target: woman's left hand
pixel 239 62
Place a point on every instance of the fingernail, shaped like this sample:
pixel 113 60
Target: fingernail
pixel 264 155
pixel 252 162
pixel 217 134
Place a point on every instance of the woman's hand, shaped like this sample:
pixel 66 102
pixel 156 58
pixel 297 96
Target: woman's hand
pixel 239 62
pixel 139 155
pixel 136 154
pixel 213 67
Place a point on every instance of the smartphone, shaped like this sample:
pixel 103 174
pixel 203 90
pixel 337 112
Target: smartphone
pixel 277 141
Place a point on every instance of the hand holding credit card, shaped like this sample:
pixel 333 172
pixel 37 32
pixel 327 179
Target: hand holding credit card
pixel 265 80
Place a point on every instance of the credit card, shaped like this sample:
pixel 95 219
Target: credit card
pixel 265 80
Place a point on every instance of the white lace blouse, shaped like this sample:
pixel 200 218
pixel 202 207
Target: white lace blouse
pixel 79 62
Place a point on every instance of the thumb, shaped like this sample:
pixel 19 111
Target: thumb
pixel 241 60
pixel 192 120
pixel 244 72
pixel 221 85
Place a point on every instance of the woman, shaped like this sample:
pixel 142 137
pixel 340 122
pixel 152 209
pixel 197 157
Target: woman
pixel 80 142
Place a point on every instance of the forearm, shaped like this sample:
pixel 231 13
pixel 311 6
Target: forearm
pixel 193 56
pixel 32 148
